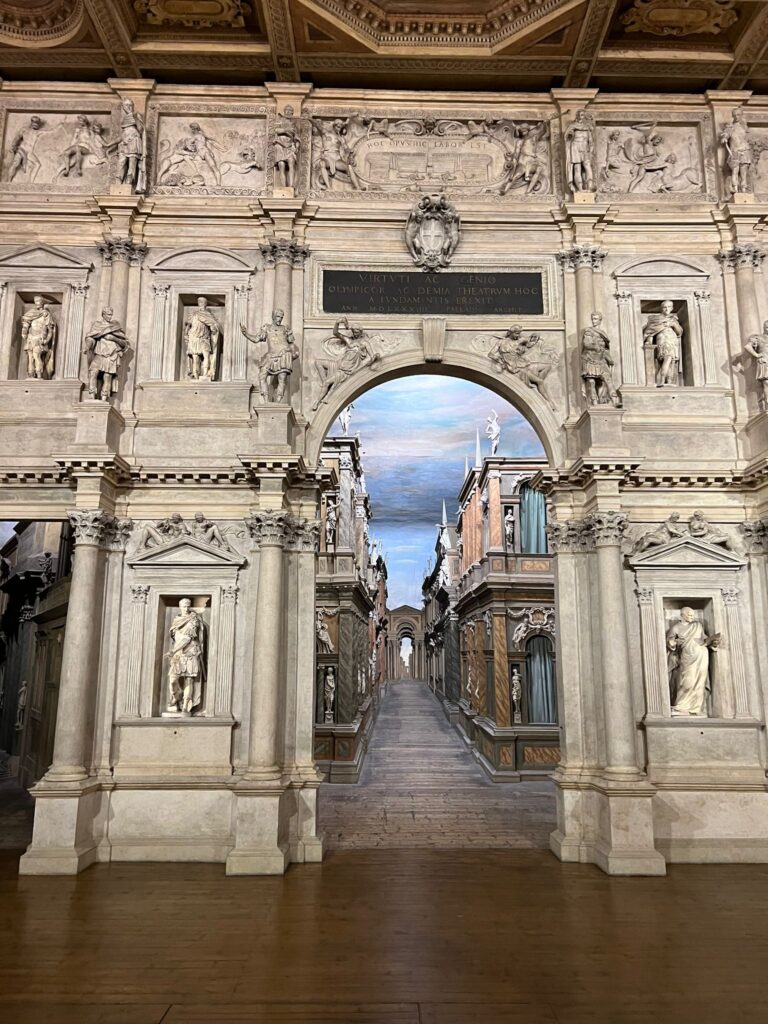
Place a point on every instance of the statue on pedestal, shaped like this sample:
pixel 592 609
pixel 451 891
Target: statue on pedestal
pixel 580 151
pixel 757 347
pixel 329 692
pixel 104 347
pixel 186 668
pixel 597 365
pixel 286 152
pixel 132 148
pixel 201 334
pixel 324 642
pixel 21 706
pixel 331 519
pixel 509 529
pixel 38 332
pixel 493 431
pixel 277 364
pixel 737 140
pixel 664 331
pixel 517 696
pixel 688 648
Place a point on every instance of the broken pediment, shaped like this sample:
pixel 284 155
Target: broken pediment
pixel 186 551
pixel 44 257
pixel 687 553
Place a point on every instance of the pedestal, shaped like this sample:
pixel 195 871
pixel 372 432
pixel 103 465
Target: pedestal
pixel 64 837
pixel 261 830
pixel 276 425
pixel 99 425
pixel 600 431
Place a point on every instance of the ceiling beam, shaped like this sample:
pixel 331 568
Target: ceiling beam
pixel 115 34
pixel 281 40
pixel 751 49
pixel 594 29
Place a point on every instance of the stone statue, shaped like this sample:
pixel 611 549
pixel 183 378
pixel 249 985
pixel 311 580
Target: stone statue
pixel 526 164
pixel 526 359
pixel 345 418
pixel 23 147
pixel 163 531
pixel 580 152
pixel 509 529
pixel 38 332
pixel 329 692
pixel 432 232
pixel 664 534
pixel 335 156
pixel 688 648
pixel 597 365
pixel 104 347
pixel 21 706
pixel 352 351
pixel 80 146
pixel 186 669
pixel 132 148
pixel 201 335
pixel 664 331
pixel 331 519
pixel 47 570
pixel 324 642
pixel 737 140
pixel 209 533
pixel 277 364
pixel 700 529
pixel 493 431
pixel 517 696
pixel 757 347
pixel 286 152
pixel 488 622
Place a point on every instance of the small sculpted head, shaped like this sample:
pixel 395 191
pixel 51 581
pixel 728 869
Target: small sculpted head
pixel 108 313
pixel 687 614
pixel 185 604
pixel 738 114
pixel 177 518
pixel 127 105
pixel 82 120
pixel 202 302
pixel 38 301
pixel 199 517
pixel 277 316
pixel 667 306
pixel 596 318
pixel 515 331
pixel 36 122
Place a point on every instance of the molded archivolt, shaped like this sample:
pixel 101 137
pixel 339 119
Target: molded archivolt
pixel 471 368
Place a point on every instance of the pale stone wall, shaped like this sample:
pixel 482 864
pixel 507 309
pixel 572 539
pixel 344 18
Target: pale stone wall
pixel 237 781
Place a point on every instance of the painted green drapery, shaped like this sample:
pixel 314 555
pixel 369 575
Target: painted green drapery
pixel 542 701
pixel 533 537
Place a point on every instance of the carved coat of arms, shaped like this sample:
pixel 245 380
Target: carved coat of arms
pixel 432 232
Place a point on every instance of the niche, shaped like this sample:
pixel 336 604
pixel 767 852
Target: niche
pixel 196 359
pixel 685 366
pixel 190 695
pixel 22 364
pixel 718 703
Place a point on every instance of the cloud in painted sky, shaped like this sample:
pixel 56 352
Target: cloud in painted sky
pixel 415 433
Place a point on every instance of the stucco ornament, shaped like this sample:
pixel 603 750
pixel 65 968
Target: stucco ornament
pixel 193 14
pixel 525 358
pixel 186 660
pixel 105 345
pixel 532 621
pixel 38 332
pixel 698 528
pixel 688 655
pixel 757 347
pixel 350 348
pixel 40 23
pixel 597 365
pixel 432 232
pixel 680 17
pixel 324 641
pixel 277 362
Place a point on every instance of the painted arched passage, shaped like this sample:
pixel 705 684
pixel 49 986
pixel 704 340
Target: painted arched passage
pixel 471 368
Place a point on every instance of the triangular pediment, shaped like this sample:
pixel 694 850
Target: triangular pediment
pixel 43 257
pixel 186 551
pixel 687 552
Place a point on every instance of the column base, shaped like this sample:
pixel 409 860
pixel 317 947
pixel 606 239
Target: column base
pixel 305 843
pixel 261 826
pixel 607 823
pixel 66 833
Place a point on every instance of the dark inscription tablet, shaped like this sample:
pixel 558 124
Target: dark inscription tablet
pixel 364 291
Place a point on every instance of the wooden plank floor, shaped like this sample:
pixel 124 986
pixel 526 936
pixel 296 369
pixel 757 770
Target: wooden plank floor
pixel 421 787
pixel 386 936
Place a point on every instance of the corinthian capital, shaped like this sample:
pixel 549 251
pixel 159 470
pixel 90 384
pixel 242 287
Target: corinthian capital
pixel 577 256
pixel 745 254
pixel 91 526
pixel 305 534
pixel 284 250
pixel 565 536
pixel 124 249
pixel 607 527
pixel 270 528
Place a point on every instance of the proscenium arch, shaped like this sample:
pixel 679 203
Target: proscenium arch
pixel 526 400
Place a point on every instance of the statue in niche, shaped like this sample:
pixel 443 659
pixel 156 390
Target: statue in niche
pixel 21 706
pixel 757 347
pixel 324 642
pixel 516 689
pixel 331 520
pixel 277 364
pixel 509 529
pixel 164 531
pixel 336 157
pixel 664 331
pixel 186 667
pixel 688 648
pixel 23 147
pixel 132 148
pixel 493 431
pixel 209 533
pixel 329 692
pixel 526 359
pixel 597 365
pixel 664 534
pixel 351 350
pixel 286 152
pixel 580 152
pixel 736 137
pixel 38 332
pixel 201 336
pixel 701 529
pixel 104 347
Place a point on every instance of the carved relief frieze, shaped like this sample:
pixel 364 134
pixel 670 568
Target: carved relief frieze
pixel 51 148
pixel 529 359
pixel 347 351
pixel 641 154
pixel 210 149
pixel 383 151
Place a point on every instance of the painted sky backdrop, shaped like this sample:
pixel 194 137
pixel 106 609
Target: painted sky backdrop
pixel 415 433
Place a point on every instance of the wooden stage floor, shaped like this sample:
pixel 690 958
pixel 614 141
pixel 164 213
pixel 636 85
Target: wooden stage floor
pixel 386 937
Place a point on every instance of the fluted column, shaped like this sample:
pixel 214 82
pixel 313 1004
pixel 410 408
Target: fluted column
pixel 736 652
pixel 627 339
pixel 703 306
pixel 72 346
pixel 120 254
pixel 158 330
pixel 268 529
pixel 283 254
pixel 238 343
pixel 131 697
pixel 222 698
pixel 80 657
pixel 744 259
pixel 584 261
pixel 607 530
pixel 656 688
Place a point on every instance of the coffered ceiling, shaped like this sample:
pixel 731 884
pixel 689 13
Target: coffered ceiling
pixel 632 45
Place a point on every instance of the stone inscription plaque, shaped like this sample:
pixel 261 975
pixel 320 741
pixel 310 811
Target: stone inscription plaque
pixel 474 294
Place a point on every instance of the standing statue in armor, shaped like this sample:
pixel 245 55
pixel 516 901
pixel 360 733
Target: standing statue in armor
pixel 277 364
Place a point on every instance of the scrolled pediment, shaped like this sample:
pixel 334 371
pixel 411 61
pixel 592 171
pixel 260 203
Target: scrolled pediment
pixel 687 553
